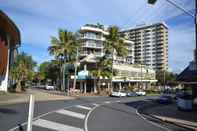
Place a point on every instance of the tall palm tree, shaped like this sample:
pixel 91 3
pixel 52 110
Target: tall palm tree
pixel 63 48
pixel 103 69
pixel 115 45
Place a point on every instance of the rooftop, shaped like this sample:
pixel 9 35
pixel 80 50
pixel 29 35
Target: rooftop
pixel 141 26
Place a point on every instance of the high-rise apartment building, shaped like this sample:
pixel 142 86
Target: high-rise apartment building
pixel 150 45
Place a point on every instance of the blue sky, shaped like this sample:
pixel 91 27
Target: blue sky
pixel 38 20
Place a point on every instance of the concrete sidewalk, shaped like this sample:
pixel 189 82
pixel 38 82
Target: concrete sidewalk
pixel 13 98
pixel 170 114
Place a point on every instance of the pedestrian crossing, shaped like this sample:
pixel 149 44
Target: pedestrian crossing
pixel 70 113
pixel 84 107
pixel 55 126
pixel 71 119
pixel 67 119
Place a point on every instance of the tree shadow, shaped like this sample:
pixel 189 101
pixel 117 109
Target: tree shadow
pixel 7 111
pixel 20 127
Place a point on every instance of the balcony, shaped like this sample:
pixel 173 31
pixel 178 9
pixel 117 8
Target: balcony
pixel 97 54
pixel 92 45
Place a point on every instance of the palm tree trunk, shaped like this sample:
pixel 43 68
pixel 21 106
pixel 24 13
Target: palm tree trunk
pixel 95 91
pixel 75 78
pixel 112 70
pixel 18 86
pixel 99 86
pixel 74 83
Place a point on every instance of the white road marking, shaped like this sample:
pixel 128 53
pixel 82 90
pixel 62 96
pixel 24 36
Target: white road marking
pixel 86 119
pixel 84 107
pixel 70 113
pixel 55 126
pixel 117 101
pixel 95 104
pixel 107 102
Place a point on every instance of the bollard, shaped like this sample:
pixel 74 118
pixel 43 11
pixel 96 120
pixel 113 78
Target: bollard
pixel 31 113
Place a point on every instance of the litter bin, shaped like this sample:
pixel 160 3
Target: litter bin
pixel 185 102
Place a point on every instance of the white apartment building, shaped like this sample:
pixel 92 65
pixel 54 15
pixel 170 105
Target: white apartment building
pixel 150 45
pixel 93 39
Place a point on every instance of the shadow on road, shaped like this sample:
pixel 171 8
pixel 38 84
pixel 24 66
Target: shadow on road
pixel 7 111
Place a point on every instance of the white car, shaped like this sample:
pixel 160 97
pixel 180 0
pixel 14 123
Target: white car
pixel 118 94
pixel 49 87
pixel 141 93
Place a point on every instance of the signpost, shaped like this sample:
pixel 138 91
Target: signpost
pixel 31 113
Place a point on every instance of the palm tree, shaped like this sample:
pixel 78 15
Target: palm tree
pixel 115 45
pixel 22 70
pixel 63 49
pixel 103 69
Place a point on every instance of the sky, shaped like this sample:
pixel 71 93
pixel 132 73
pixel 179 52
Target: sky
pixel 38 20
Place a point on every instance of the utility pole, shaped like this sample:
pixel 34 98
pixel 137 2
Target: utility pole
pixel 196 31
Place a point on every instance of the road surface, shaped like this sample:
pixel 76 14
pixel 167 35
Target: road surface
pixel 83 114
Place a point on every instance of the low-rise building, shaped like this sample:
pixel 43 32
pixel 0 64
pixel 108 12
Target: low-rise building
pixel 9 41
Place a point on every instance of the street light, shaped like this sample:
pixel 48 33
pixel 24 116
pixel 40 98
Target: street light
pixel 188 13
pixel 152 1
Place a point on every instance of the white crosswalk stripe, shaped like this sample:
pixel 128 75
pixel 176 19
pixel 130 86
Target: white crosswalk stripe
pixel 95 104
pixel 107 102
pixel 70 113
pixel 55 126
pixel 84 107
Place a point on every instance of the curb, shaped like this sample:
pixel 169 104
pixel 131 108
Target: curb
pixel 189 127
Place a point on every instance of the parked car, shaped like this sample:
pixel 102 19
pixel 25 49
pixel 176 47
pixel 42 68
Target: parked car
pixel 49 87
pixel 118 94
pixel 131 94
pixel 164 99
pixel 141 93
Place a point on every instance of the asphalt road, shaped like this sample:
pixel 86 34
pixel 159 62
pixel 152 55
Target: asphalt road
pixel 118 117
pixel 92 114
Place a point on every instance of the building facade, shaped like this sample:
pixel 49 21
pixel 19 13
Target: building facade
pixel 92 38
pixel 9 41
pixel 150 45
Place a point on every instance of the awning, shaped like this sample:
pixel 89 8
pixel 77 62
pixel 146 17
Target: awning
pixel 83 75
pixel 189 74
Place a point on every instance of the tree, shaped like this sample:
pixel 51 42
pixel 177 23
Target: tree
pixel 103 69
pixel 63 49
pixel 115 45
pixel 166 78
pixel 22 70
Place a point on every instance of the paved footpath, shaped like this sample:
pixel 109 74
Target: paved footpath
pixel 170 113
pixel 40 95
